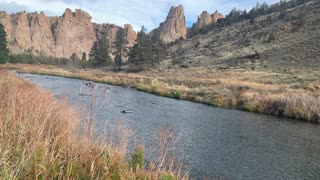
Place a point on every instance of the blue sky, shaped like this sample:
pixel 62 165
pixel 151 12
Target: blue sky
pixel 136 12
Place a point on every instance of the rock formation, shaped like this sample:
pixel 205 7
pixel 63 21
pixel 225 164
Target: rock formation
pixel 130 34
pixel 73 32
pixel 57 36
pixel 175 25
pixel 107 30
pixel 216 16
pixel 206 19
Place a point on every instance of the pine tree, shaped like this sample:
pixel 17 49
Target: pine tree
pixel 120 45
pixel 137 54
pixel 84 56
pixel 3 45
pixel 74 62
pixel 83 60
pixel 158 47
pixel 93 50
pixel 148 50
pixel 100 53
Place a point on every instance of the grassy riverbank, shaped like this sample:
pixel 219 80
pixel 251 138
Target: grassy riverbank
pixel 39 139
pixel 289 94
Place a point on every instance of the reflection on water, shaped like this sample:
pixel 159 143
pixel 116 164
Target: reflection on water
pixel 219 143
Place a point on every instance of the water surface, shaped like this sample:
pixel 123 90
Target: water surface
pixel 219 143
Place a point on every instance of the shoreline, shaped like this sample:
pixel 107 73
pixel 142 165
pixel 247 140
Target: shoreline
pixel 247 96
pixel 41 140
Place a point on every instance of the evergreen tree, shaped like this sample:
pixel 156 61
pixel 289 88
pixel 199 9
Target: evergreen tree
pixel 148 50
pixel 120 45
pixel 100 53
pixel 84 56
pixel 158 48
pixel 74 62
pixel 93 51
pixel 3 45
pixel 83 60
pixel 138 54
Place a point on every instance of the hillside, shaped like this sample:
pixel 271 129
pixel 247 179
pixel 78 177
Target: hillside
pixel 269 42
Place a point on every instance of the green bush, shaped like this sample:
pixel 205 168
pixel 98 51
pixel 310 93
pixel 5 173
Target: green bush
pixel 165 176
pixel 137 158
pixel 176 94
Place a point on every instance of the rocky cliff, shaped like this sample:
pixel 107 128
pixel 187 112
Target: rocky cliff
pixel 73 32
pixel 270 42
pixel 216 16
pixel 206 19
pixel 174 26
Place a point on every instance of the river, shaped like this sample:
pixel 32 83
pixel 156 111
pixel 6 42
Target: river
pixel 218 143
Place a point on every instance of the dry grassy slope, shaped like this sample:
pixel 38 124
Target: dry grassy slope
pixel 292 49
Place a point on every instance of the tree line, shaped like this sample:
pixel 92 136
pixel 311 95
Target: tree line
pixel 147 52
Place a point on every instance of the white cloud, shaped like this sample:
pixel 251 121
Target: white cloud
pixel 136 12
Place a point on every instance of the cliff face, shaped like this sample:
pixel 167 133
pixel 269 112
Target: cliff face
pixel 28 33
pixel 175 25
pixel 131 35
pixel 206 19
pixel 73 32
pixel 216 16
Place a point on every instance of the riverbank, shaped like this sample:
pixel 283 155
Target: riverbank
pixel 290 94
pixel 40 139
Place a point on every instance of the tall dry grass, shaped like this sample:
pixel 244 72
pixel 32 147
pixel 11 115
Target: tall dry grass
pixel 40 139
pixel 298 105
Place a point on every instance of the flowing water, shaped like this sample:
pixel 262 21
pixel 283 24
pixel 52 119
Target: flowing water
pixel 218 143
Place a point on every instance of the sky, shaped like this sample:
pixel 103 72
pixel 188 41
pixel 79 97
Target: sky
pixel 149 13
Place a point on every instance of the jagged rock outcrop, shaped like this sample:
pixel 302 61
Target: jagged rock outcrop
pixel 28 33
pixel 206 19
pixel 73 32
pixel 110 32
pixel 107 30
pixel 216 16
pixel 175 25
